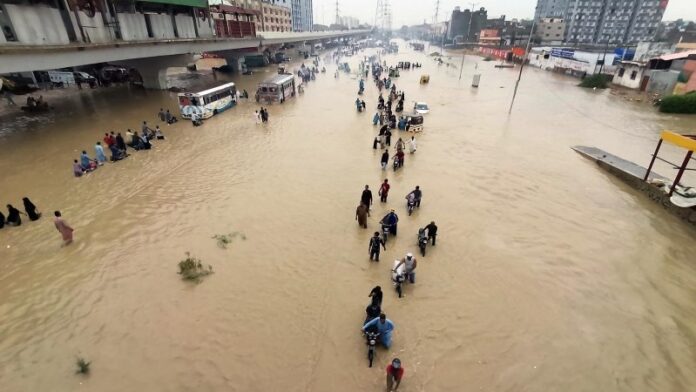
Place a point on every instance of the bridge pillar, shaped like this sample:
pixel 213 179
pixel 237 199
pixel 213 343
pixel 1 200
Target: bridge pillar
pixel 235 61
pixel 153 71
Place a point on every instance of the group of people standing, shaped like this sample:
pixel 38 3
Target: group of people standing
pixel 14 218
pixel 261 116
pixel 14 215
pixel 117 145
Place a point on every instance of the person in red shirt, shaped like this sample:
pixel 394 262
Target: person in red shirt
pixel 384 191
pixel 108 140
pixel 394 374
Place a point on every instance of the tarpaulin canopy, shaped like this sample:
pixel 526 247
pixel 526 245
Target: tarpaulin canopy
pixel 190 3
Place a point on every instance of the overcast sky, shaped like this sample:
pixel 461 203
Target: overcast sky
pixel 415 11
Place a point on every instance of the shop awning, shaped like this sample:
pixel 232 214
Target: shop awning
pixel 190 3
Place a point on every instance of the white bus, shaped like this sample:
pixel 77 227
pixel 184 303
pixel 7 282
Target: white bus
pixel 276 89
pixel 208 102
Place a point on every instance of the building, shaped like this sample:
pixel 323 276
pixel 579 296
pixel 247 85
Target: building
pixel 550 31
pixel 630 74
pixel 302 15
pixel 551 9
pixel 572 62
pixel 489 37
pixel 276 15
pixel 605 21
pixel 349 22
pixel 672 73
pixel 465 25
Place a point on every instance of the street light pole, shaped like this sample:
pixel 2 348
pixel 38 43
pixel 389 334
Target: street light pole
pixel 526 54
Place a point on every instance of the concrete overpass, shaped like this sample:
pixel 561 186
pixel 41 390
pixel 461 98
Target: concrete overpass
pixel 150 57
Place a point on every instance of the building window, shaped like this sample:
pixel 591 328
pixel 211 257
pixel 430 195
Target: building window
pixel 621 72
pixel 633 75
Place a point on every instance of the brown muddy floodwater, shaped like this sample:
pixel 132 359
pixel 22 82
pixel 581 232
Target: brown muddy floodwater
pixel 548 274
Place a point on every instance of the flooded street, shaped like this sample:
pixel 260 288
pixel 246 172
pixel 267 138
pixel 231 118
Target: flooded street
pixel 549 274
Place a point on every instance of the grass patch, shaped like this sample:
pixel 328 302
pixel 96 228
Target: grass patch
pixel 82 366
pixel 680 104
pixel 594 81
pixel 225 239
pixel 193 269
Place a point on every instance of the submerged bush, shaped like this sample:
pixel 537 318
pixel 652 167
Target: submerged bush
pixel 595 81
pixel 82 366
pixel 684 104
pixel 191 268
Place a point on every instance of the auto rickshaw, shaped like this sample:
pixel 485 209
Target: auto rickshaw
pixel 425 79
pixel 393 72
pixel 414 123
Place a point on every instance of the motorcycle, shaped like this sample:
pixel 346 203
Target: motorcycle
pixel 398 277
pixel 397 165
pixel 371 345
pixel 410 205
pixel 385 232
pixel 422 241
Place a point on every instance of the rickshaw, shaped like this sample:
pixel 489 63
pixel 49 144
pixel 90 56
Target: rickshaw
pixel 414 123
pixel 425 79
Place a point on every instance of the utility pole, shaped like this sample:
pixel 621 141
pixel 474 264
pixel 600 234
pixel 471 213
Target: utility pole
pixel 524 59
pixel 437 11
pixel 604 57
pixel 338 15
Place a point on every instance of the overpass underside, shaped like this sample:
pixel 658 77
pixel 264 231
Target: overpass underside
pixel 150 58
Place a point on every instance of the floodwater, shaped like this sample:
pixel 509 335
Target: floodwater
pixel 548 274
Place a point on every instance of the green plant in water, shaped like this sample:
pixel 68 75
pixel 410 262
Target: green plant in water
pixel 594 81
pixel 192 268
pixel 225 239
pixel 82 366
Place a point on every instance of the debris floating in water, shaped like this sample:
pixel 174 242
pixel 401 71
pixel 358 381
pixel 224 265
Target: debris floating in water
pixel 225 239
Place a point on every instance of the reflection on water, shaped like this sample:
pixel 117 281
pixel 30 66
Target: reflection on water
pixel 548 273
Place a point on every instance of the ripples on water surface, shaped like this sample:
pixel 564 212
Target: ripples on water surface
pixel 548 274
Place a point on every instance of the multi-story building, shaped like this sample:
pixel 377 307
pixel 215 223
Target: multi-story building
pixel 349 22
pixel 605 21
pixel 551 9
pixel 276 15
pixel 302 15
pixel 465 25
pixel 550 31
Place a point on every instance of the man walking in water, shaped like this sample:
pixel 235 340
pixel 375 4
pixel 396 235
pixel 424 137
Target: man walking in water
pixel 361 214
pixel 375 242
pixel 384 191
pixel 432 231
pixel 63 228
pixel 366 197
pixel 395 372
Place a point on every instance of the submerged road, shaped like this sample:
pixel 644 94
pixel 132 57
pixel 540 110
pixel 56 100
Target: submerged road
pixel 548 274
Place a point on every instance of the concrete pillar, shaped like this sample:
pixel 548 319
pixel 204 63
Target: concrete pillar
pixel 153 70
pixel 235 59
